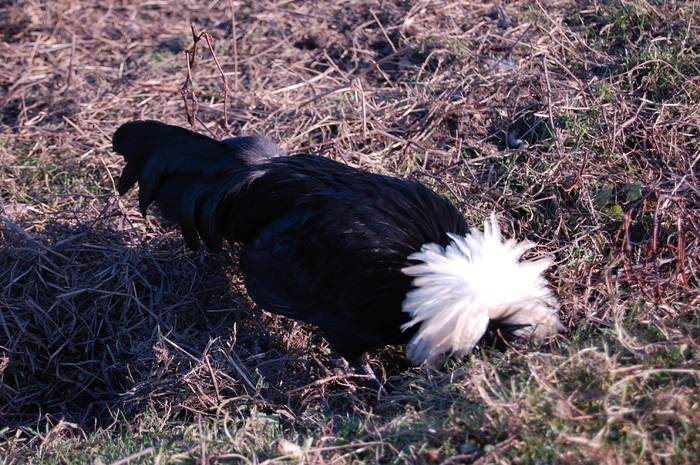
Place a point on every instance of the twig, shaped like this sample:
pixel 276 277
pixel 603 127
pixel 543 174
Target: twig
pixel 549 105
pixel 214 382
pixel 505 341
pixel 191 60
pixel 135 455
pixel 207 37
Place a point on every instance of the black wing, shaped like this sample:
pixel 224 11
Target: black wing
pixel 321 242
pixel 325 243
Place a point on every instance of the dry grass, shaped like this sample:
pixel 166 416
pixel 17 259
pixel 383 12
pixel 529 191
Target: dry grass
pixel 578 124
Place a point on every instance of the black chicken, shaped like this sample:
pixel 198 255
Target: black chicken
pixel 369 259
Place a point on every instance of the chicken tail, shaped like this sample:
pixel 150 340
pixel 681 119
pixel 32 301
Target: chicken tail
pixel 179 169
pixel 476 280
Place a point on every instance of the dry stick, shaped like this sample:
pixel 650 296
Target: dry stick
pixel 347 84
pixel 187 89
pixel 244 374
pixel 411 141
pixel 549 105
pixel 655 242
pixel 191 60
pixel 681 245
pixel 71 70
pixel 662 198
pixel 360 445
pixel 213 376
pixel 618 131
pixel 625 253
pixel 327 380
pixel 135 455
pixel 386 36
pixel 505 341
pixel 515 44
pixel 207 37
pixel 487 457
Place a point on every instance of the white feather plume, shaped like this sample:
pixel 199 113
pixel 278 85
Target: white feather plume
pixel 476 279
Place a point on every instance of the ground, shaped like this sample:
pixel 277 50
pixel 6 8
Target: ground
pixel 577 123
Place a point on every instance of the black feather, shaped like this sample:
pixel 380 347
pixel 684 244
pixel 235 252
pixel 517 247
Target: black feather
pixel 321 242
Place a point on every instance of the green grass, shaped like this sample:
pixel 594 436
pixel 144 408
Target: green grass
pixel 615 400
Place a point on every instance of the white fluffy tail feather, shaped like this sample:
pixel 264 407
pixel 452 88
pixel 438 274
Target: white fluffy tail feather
pixel 476 279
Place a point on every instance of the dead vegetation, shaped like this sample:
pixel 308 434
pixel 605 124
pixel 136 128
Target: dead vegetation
pixel 577 123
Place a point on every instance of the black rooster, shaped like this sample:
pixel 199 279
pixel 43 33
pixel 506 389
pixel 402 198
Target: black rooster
pixel 369 259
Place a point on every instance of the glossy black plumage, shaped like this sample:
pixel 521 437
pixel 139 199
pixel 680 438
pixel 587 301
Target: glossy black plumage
pixel 321 242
